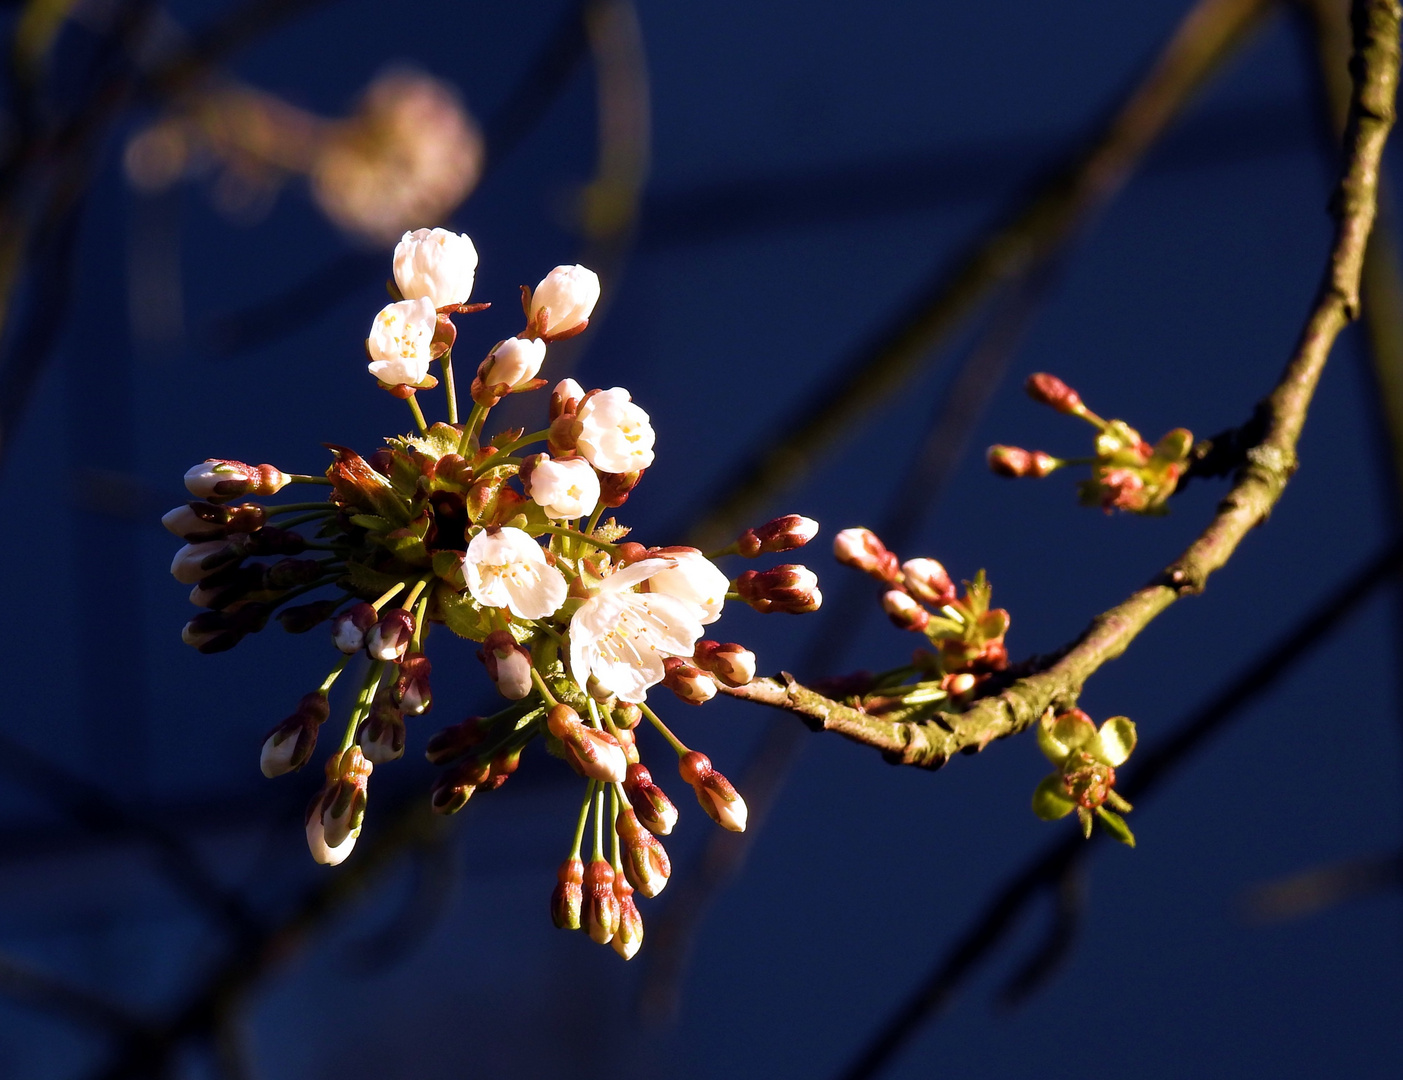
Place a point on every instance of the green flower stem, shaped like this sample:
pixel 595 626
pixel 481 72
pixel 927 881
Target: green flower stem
pixel 287 508
pixel 413 402
pixel 303 478
pixel 421 624
pixel 414 592
pixel 598 823
pixel 615 855
pixel 302 519
pixel 677 744
pixel 362 706
pixel 543 689
pixel 594 518
pixel 388 594
pixel 301 590
pixel 446 361
pixel 580 821
pixel 513 447
pixel 730 549
pixel 468 444
pixel 333 675
pixel 575 534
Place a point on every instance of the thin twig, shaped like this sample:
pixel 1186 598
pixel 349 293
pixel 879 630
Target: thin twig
pixel 1042 223
pixel 998 916
pixel 929 741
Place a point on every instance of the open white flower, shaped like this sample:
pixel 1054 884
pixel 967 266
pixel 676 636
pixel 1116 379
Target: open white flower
pixel 615 435
pixel 570 293
pixel 436 265
pixel 565 489
pixel 400 342
pixel 696 581
pixel 622 637
pixel 506 568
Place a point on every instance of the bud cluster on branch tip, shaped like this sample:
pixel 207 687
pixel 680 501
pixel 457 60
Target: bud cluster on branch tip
pixel 1085 760
pixel 782 534
pixel 863 550
pixel 1127 473
pixel 501 537
pixel 335 814
pixel 791 589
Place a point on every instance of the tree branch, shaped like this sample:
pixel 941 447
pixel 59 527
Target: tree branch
pixel 929 741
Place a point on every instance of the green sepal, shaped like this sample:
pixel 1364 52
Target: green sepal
pixel 977 595
pixel 1117 739
pixel 448 565
pixel 1084 817
pixel 1050 799
pixel 371 523
pixel 1115 825
pixel 356 484
pixel 1114 798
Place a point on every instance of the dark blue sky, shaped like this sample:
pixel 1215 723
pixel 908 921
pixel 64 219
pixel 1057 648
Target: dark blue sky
pixel 813 164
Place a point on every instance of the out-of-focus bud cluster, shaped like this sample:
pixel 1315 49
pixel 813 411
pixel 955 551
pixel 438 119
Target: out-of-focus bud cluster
pixel 1127 473
pixel 506 545
pixel 410 152
pixel 1085 760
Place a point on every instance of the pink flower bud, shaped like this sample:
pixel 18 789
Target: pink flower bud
pixel 862 550
pixel 690 684
pixel 615 488
pixel 411 687
pixel 390 636
pixel 646 864
pixel 1015 463
pixel 601 906
pixel 455 786
pixel 628 937
pixel 199 520
pixel 733 664
pixel 348 629
pixel 567 899
pixel 791 589
pixel 927 581
pixel 1050 390
pixel 454 741
pixel 782 534
pixel 220 479
pixel 594 754
pixel 508 664
pixel 289 745
pixel 650 803
pixel 903 611
pixel 303 617
pixel 563 302
pixel 715 793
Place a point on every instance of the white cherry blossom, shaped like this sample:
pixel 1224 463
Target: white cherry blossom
pixel 436 265
pixel 513 361
pixel 615 435
pixel 400 342
pixel 565 489
pixel 570 292
pixel 696 581
pixel 621 637
pixel 506 568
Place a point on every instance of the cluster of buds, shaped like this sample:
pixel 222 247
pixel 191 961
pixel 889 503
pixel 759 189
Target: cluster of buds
pixel 1084 761
pixel 967 635
pixel 1126 471
pixel 509 549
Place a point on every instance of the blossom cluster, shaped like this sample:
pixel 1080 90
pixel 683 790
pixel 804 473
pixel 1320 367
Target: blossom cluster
pixel 1127 473
pixel 503 541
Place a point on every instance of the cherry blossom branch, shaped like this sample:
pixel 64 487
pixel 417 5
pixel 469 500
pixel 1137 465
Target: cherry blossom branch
pixel 910 738
pixel 1037 227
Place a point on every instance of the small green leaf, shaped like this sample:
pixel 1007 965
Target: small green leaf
pixel 371 523
pixel 367 582
pixel 1073 730
pixel 1052 747
pixel 1114 824
pixel 1050 799
pixel 1084 817
pixel 1117 740
pixel 1114 798
pixel 461 615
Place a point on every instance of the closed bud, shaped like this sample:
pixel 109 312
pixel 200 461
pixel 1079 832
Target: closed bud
pixel 654 809
pixel 291 573
pixel 453 742
pixel 568 897
pixel 381 734
pixel 628 936
pixel 690 684
pixel 627 714
pixel 1050 390
pixel 390 636
pixel 230 586
pixel 348 629
pixel 863 550
pixel 927 581
pixel 565 399
pixel 562 303
pixel 195 562
pixel 502 766
pixel 600 916
pixel 508 664
pixel 289 745
pixel 614 488
pixel 411 687
pixel 300 619
pixel 219 479
pixel 733 664
pixel 334 817
pixel 715 793
pixel 791 589
pixel 216 631
pixel 512 365
pixel 594 754
pixel 645 860
pixel 197 521
pixel 1015 463
pixel 629 741
pixel 782 534
pixel 904 612
pixel 455 786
